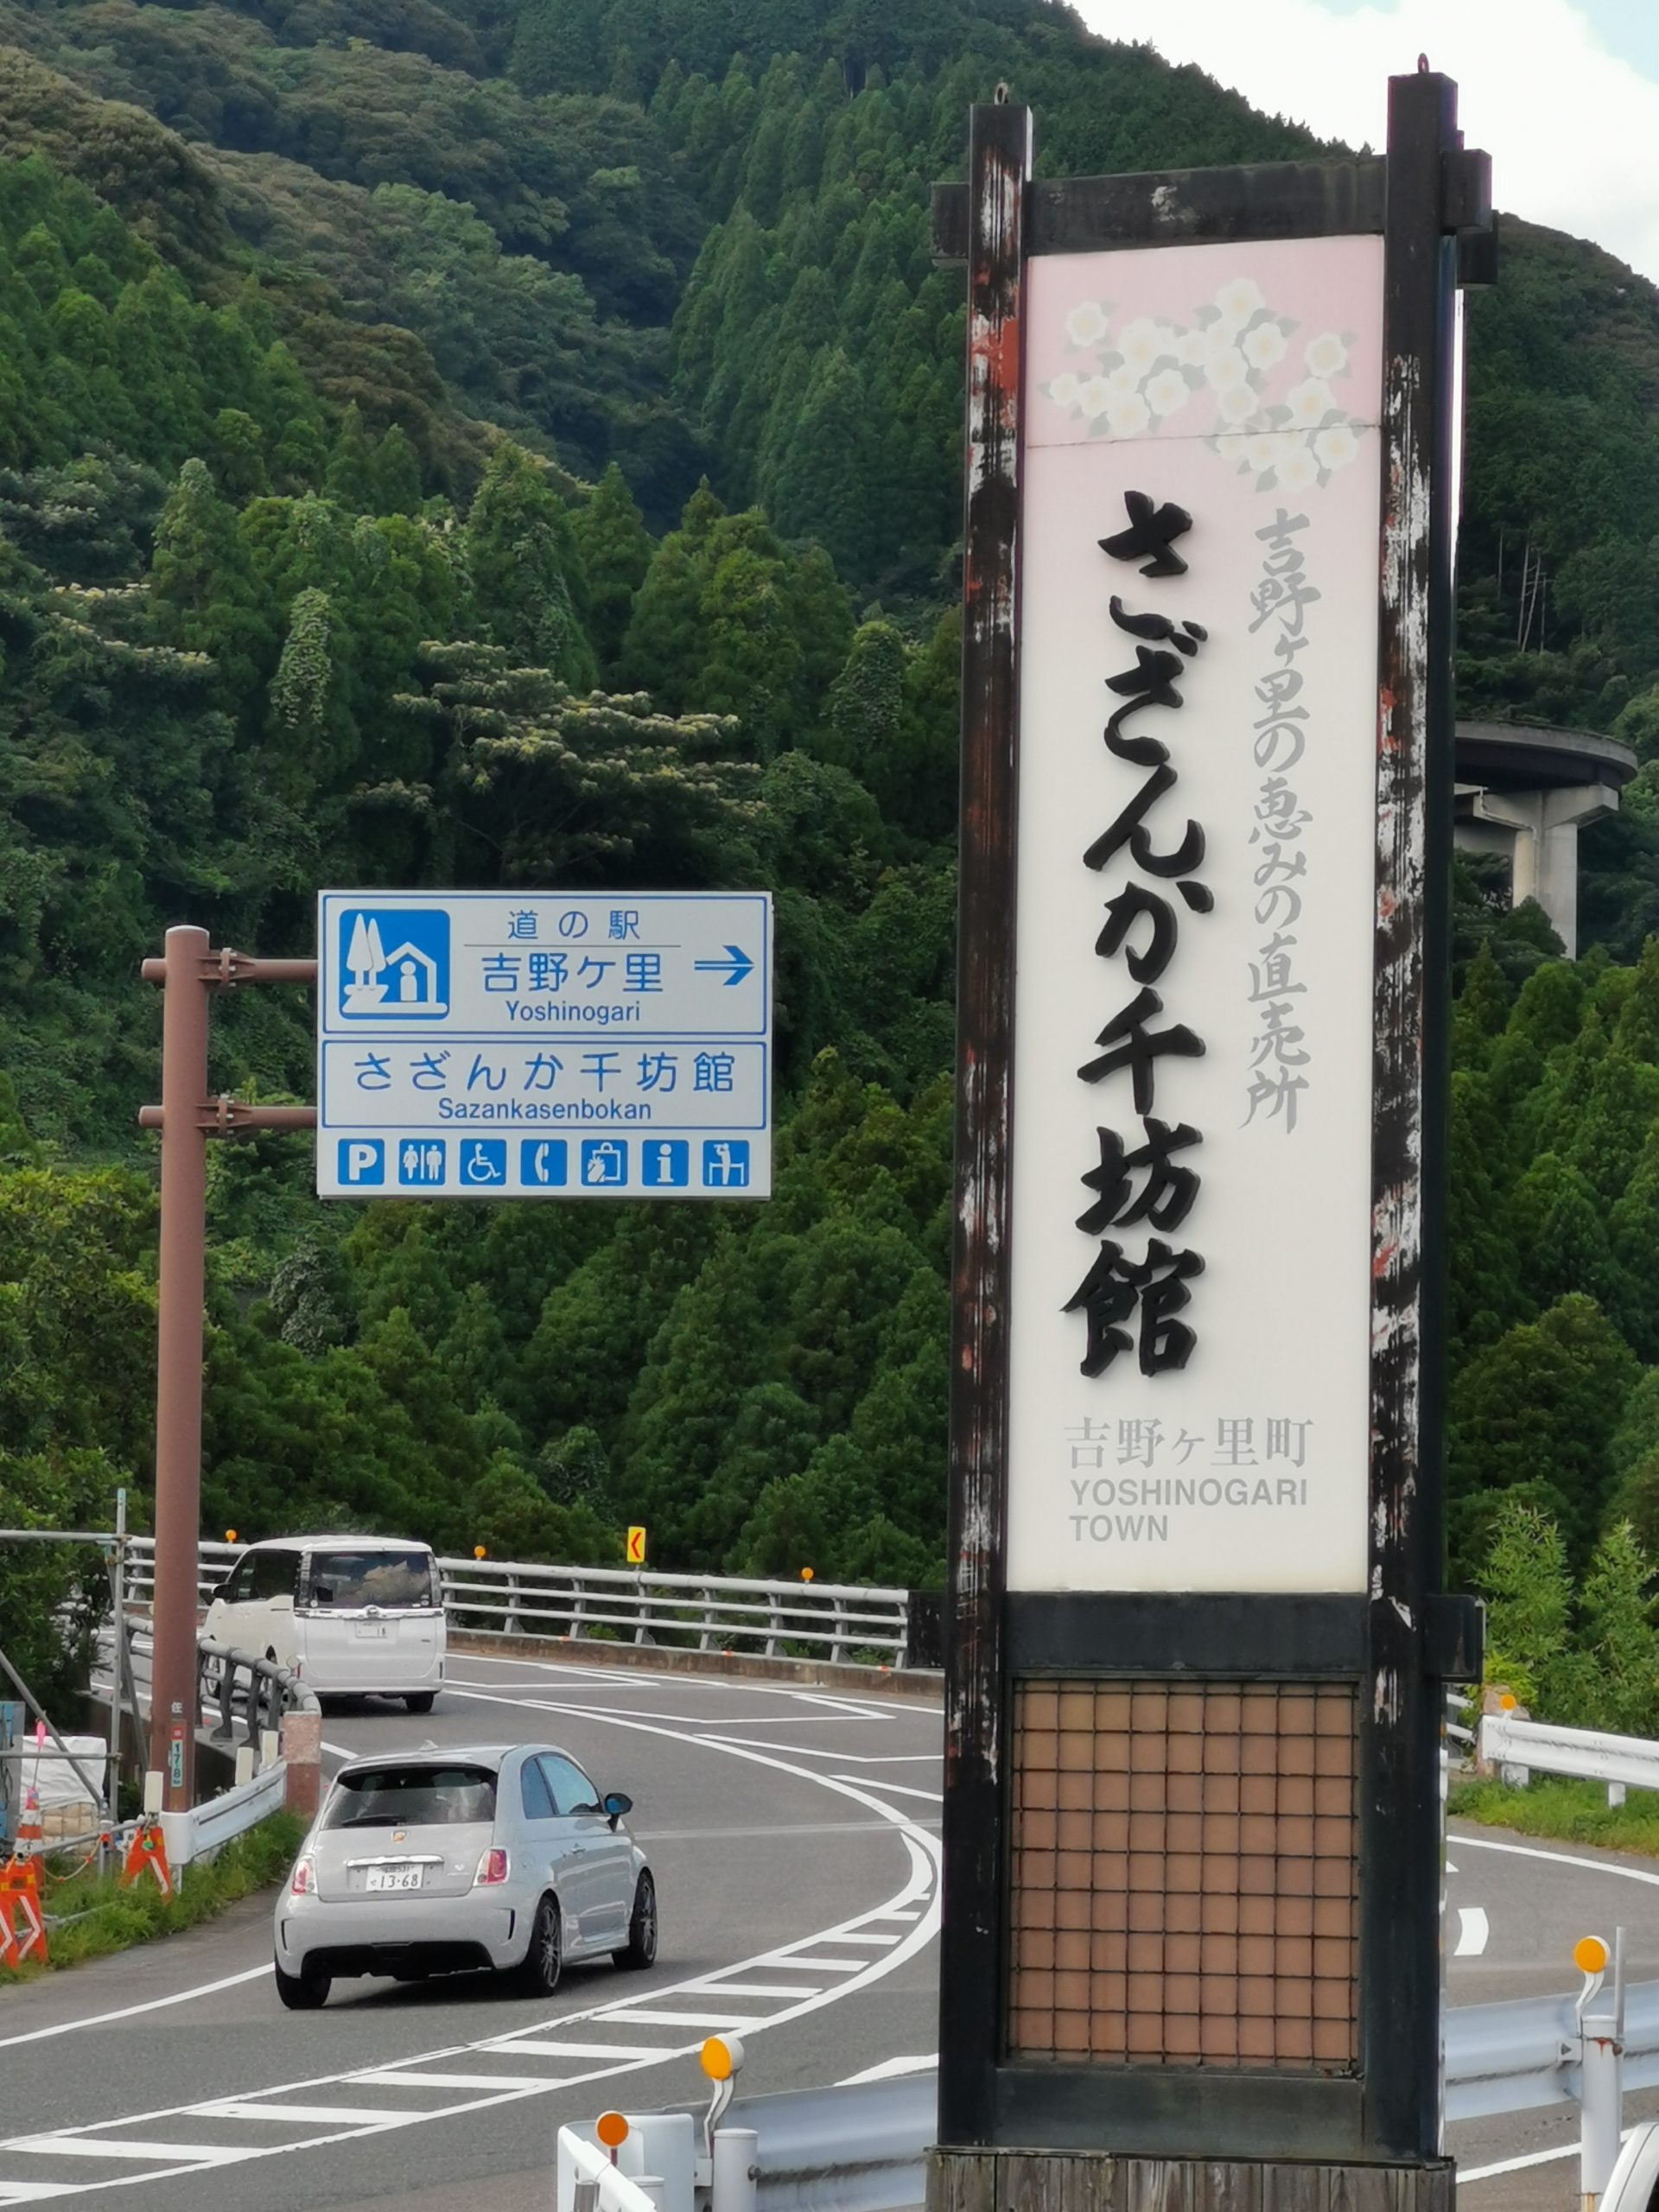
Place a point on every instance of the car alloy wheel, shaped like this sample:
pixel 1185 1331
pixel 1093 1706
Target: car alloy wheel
pixel 544 1960
pixel 641 1947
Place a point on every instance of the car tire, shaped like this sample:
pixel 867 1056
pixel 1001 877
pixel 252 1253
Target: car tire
pixel 640 1949
pixel 543 1961
pixel 303 1992
pixel 420 1700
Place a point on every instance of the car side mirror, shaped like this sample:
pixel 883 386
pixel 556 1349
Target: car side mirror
pixel 220 1590
pixel 615 1805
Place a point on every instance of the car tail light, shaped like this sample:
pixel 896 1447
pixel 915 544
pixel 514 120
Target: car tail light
pixel 302 1881
pixel 492 1868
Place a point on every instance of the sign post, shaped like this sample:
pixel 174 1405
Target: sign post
pixel 1196 1637
pixel 483 1045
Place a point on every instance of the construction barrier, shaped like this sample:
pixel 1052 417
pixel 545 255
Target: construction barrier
pixel 22 1923
pixel 147 1854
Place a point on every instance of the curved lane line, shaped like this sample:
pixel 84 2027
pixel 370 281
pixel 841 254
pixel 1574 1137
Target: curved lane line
pixel 924 1854
pixel 1559 1859
pixel 1474 1930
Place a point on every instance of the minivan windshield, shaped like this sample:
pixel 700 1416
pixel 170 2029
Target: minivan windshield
pixel 398 1796
pixel 370 1578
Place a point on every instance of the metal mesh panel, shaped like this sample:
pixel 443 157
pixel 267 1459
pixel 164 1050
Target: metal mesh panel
pixel 1183 1889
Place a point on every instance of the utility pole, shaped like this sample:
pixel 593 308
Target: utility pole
pixel 190 972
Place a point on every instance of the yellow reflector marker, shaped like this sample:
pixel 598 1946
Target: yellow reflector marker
pixel 721 2056
pixel 1590 1954
pixel 612 2130
pixel 1507 1701
pixel 230 1535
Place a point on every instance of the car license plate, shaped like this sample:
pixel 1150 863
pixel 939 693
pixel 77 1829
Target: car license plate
pixel 394 1878
pixel 372 1628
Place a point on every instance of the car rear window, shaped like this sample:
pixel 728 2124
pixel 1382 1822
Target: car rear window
pixel 412 1796
pixel 370 1578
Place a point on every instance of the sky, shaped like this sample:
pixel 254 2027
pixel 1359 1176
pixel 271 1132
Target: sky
pixel 1563 94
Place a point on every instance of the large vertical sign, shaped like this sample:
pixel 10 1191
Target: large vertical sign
pixel 1196 1641
pixel 1197 808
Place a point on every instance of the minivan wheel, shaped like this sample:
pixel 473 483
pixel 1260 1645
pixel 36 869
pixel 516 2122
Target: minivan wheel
pixel 543 1961
pixel 303 1992
pixel 640 1950
pixel 420 1700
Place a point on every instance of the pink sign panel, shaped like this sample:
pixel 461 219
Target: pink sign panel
pixel 1191 1173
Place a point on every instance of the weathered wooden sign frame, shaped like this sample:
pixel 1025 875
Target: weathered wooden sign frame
pixel 1396 1641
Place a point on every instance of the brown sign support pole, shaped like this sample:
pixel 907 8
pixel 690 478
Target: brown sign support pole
pixel 190 972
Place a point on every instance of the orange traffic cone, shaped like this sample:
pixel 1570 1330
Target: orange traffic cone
pixel 147 1854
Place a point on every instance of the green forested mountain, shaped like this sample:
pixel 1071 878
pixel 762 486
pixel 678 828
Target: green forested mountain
pixel 495 442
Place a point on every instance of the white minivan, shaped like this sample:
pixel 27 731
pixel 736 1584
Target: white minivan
pixel 349 1615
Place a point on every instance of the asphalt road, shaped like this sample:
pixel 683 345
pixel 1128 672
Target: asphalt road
pixel 794 1836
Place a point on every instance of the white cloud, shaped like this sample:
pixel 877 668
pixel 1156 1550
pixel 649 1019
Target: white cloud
pixel 1571 128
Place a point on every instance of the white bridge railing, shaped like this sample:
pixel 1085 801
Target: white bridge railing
pixel 836 1621
pixel 1518 1748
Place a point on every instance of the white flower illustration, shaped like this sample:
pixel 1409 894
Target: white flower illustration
pixel 1335 448
pixel 1268 450
pixel 1309 401
pixel 1128 416
pixel 1192 348
pixel 1325 355
pixel 1065 389
pixel 1238 405
pixel 1086 325
pixel 1094 396
pixel 1298 472
pixel 1239 300
pixel 1121 382
pixel 1264 347
pixel 1225 371
pixel 1144 341
pixel 1167 394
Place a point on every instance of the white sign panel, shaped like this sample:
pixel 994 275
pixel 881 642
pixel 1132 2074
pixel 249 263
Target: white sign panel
pixel 1191 1167
pixel 544 1045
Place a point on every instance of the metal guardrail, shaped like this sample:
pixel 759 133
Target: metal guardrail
pixel 1518 1747
pixel 839 1621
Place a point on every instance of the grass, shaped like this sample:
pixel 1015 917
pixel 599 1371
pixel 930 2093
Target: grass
pixel 109 1919
pixel 1566 1812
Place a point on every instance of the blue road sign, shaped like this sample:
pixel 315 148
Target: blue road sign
pixel 421 1163
pixel 392 966
pixel 725 1163
pixel 361 1162
pixel 543 1163
pixel 604 1162
pixel 664 1163
pixel 544 1044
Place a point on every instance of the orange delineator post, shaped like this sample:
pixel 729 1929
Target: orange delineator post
pixel 20 1887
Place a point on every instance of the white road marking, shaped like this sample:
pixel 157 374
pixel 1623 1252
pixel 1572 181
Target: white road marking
pixel 301 2115
pixel 918 1899
pixel 641 1677
pixel 1517 2166
pixel 898 1788
pixel 655 2017
pixel 393 2077
pixel 33 2192
pixel 556 2047
pixel 127 2012
pixel 891 2068
pixel 847 1937
pixel 1450 1868
pixel 715 1988
pixel 1472 1932
pixel 97 2146
pixel 800 1959
pixel 1559 1859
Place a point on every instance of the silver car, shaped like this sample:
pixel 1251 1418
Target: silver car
pixel 439 1861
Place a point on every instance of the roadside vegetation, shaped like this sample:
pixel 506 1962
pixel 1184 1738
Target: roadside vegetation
pixel 99 1916
pixel 1564 1812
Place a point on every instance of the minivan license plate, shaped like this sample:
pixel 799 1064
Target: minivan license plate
pixel 372 1628
pixel 394 1878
